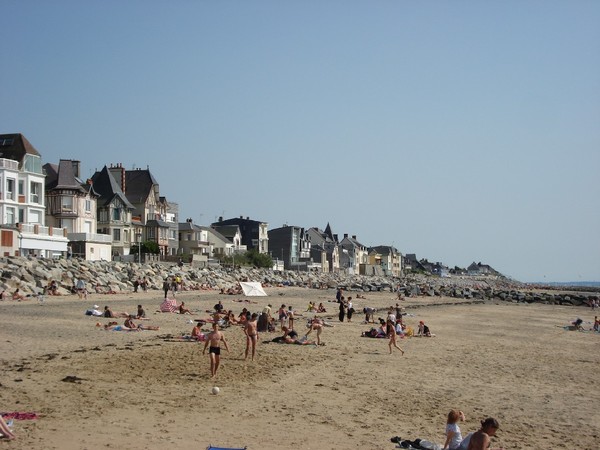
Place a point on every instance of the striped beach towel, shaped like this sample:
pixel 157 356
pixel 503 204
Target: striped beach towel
pixel 169 305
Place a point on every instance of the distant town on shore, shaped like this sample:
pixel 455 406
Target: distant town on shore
pixel 48 211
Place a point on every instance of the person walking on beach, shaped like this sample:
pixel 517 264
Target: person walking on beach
pixel 81 289
pixel 480 440
pixel 214 339
pixel 342 309
pixel 391 334
pixel 250 330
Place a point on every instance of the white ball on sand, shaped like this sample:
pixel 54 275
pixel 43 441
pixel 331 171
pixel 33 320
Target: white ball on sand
pixel 216 390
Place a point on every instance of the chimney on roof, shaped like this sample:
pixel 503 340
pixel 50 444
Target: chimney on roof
pixel 247 217
pixel 220 218
pixel 241 217
pixel 345 235
pixel 335 237
pixel 118 172
pixel 76 167
pixel 354 236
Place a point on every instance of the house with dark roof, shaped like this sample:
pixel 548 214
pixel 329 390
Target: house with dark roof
pixel 233 237
pixel 292 245
pixel 22 202
pixel 72 204
pixel 114 215
pixel 254 233
pixel 481 269
pixel 172 218
pixel 150 211
pixel 225 245
pixel 410 262
pixel 325 242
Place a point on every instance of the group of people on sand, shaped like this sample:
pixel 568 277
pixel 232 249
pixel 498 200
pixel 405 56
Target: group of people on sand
pixel 479 440
pixel 251 324
pixel 16 295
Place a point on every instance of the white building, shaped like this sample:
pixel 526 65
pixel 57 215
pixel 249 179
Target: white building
pixel 22 209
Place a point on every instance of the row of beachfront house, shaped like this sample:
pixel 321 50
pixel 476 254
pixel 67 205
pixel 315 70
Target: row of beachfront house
pixel 49 211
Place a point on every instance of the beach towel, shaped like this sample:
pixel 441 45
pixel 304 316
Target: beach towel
pixel 19 415
pixel 210 447
pixel 168 305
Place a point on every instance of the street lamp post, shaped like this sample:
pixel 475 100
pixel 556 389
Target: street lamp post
pixel 139 241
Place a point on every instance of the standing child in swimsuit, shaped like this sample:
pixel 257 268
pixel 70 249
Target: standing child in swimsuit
pixel 391 334
pixel 214 338
pixel 251 333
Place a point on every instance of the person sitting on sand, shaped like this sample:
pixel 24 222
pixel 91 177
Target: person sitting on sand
pixel 17 295
pixel 130 324
pixel 481 439
pixel 141 314
pixel 52 288
pixel 577 324
pixel 424 330
pixel 321 308
pixel 5 430
pixel 197 332
pixel 229 318
pixel 109 313
pixel 183 309
pixel 453 434
pixel 596 323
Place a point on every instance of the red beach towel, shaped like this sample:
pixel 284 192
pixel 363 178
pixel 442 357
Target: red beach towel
pixel 19 415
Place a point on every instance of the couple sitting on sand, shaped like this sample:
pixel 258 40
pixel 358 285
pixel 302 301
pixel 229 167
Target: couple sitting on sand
pixel 129 325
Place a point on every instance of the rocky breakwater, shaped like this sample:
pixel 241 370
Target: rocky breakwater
pixel 31 276
pixel 497 288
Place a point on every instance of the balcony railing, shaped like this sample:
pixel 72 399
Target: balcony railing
pixel 9 164
pixel 41 230
pixel 90 237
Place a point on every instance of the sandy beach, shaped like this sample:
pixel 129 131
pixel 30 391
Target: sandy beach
pixel 143 390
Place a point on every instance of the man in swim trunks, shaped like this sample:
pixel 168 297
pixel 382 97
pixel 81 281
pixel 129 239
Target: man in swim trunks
pixel 214 338
pixel 250 330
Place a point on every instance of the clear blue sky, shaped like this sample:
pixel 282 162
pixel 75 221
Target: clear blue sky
pixel 457 130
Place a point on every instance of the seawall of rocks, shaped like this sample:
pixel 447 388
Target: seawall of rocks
pixel 32 275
